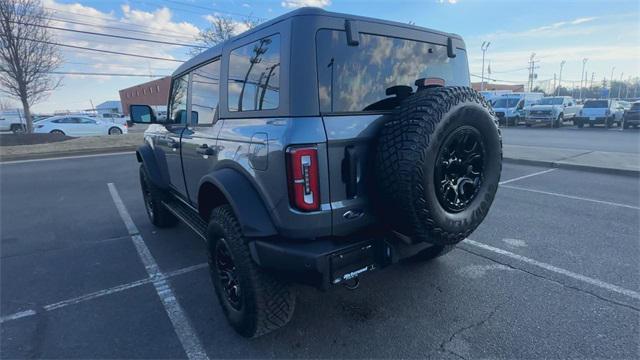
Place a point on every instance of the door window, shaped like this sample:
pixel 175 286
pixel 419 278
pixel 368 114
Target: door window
pixel 178 100
pixel 254 76
pixel 205 92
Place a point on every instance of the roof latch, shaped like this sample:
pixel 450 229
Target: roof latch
pixel 352 33
pixel 450 50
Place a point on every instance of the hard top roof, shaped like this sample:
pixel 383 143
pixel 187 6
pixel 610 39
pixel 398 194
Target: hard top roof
pixel 305 11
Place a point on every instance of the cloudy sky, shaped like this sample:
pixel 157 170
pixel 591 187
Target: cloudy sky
pixel 605 32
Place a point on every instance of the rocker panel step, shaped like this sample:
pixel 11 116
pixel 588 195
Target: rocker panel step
pixel 187 215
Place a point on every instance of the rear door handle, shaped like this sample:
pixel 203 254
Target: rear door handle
pixel 204 149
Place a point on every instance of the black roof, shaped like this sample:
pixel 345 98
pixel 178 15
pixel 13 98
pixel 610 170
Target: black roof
pixel 305 11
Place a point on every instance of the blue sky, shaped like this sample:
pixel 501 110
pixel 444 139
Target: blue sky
pixel 605 32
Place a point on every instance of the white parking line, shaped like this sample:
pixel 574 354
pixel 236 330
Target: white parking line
pixel 119 288
pixel 573 197
pixel 66 157
pixel 548 267
pixel 100 293
pixel 527 176
pixel 187 336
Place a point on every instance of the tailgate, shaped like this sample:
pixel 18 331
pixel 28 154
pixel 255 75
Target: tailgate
pixel 350 148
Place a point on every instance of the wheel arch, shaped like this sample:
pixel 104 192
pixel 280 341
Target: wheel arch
pixel 158 175
pixel 228 186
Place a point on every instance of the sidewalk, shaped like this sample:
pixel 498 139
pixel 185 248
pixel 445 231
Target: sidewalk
pixel 599 161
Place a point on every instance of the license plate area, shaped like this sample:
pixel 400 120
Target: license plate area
pixel 352 263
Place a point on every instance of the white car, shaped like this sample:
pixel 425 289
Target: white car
pixel 74 125
pixel 553 111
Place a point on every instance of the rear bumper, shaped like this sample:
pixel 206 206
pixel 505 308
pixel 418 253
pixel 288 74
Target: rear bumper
pixel 591 120
pixel 331 261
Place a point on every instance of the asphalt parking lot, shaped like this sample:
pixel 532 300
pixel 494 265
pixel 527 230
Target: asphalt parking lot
pixel 551 273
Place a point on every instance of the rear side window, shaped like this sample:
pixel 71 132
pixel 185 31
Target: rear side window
pixel 254 76
pixel 596 104
pixel 178 100
pixel 205 92
pixel 355 78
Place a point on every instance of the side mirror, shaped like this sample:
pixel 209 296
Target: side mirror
pixel 142 114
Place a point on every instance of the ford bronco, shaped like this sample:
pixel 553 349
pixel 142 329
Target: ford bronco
pixel 316 148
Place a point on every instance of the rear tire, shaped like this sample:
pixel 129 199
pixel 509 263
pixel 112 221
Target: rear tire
pixel 254 302
pixel 58 132
pixel 153 196
pixel 18 129
pixel 446 136
pixel 115 131
pixel 579 123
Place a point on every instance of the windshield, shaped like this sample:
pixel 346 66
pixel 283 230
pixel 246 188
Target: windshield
pixel 596 104
pixel 635 106
pixel 506 103
pixel 550 101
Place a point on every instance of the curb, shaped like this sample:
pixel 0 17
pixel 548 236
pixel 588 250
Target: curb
pixel 58 154
pixel 562 165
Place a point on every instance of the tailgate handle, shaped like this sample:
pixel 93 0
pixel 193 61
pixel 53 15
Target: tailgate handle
pixel 350 171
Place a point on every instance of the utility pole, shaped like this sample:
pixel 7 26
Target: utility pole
pixel 532 63
pixel 611 82
pixel 620 85
pixel 584 63
pixel 560 77
pixel 593 76
pixel 484 47
pixel 554 82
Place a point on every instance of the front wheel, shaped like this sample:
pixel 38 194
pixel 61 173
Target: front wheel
pixel 57 132
pixel 254 302
pixel 152 195
pixel 18 129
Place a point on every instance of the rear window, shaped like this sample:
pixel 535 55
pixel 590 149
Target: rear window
pixel 596 104
pixel 355 78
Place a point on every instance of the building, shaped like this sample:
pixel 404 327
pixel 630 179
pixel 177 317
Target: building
pixel 109 107
pixel 153 93
pixel 489 86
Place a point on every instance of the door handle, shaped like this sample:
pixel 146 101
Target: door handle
pixel 204 149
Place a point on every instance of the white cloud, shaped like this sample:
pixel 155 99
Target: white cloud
pixel 292 4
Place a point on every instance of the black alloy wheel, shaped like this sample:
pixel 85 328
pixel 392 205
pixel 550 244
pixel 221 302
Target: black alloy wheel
pixel 459 169
pixel 228 274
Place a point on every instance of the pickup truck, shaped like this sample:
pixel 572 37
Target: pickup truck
pixel 552 111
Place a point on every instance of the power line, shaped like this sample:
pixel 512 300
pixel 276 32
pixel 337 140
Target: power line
pixel 101 50
pixel 102 74
pixel 70 21
pixel 109 35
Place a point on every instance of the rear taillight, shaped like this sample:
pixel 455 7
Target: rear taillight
pixel 304 187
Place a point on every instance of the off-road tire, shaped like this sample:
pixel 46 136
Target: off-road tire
pixel 153 196
pixel 266 303
pixel 408 147
pixel 431 253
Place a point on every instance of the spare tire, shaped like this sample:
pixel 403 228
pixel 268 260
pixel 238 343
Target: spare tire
pixel 438 164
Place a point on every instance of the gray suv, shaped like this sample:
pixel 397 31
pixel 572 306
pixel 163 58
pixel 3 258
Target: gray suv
pixel 315 148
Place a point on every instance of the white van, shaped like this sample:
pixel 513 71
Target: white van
pixel 13 120
pixel 511 108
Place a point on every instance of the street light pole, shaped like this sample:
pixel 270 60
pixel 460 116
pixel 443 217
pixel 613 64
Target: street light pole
pixel 584 63
pixel 611 82
pixel 560 77
pixel 484 47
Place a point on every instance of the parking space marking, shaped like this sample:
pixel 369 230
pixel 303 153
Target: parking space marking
pixel 18 315
pixel 187 336
pixel 66 157
pixel 573 197
pixel 527 176
pixel 101 293
pixel 589 280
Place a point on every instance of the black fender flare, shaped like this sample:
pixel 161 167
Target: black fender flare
pixel 157 174
pixel 245 201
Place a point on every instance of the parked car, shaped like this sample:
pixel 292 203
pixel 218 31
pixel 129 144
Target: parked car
pixel 607 112
pixel 78 126
pixel 12 120
pixel 114 118
pixel 631 117
pixel 552 110
pixel 493 95
pixel 304 161
pixel 511 108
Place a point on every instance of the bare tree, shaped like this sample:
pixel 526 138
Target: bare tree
pixel 5 104
pixel 27 53
pixel 223 28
